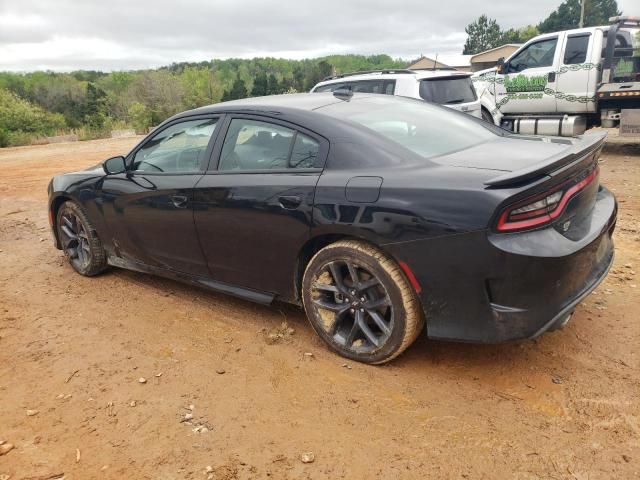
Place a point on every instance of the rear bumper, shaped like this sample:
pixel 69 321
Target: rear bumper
pixel 561 316
pixel 490 288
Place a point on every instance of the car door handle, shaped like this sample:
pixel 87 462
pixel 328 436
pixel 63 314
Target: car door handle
pixel 179 201
pixel 551 77
pixel 290 202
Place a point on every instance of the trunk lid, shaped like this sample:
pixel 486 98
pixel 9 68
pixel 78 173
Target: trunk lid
pixel 531 169
pixel 523 158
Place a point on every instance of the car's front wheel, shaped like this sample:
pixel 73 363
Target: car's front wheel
pixel 360 303
pixel 486 116
pixel 79 240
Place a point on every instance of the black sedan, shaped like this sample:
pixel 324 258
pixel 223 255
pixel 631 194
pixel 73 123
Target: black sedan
pixel 378 214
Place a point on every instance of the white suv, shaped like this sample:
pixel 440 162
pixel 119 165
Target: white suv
pixel 450 88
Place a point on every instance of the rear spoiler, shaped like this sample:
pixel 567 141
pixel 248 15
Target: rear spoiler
pixel 584 145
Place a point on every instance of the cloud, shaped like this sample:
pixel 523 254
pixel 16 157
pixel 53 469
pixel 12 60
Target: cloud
pixel 127 34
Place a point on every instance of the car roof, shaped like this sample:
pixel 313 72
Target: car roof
pixel 302 109
pixel 273 103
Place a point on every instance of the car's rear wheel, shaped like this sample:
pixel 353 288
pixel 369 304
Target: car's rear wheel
pixel 360 303
pixel 79 240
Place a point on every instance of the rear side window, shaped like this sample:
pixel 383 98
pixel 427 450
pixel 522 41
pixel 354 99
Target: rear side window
pixel 366 86
pixel 389 87
pixel 448 91
pixel 386 87
pixel 256 145
pixel 576 51
pixel 329 88
pixel 423 128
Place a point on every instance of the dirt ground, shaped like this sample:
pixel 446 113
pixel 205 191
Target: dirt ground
pixel 230 393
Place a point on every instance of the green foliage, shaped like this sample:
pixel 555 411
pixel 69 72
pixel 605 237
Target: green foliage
pixel 95 111
pixel 567 15
pixel 519 35
pixel 483 34
pixel 260 85
pixel 237 90
pixel 273 86
pixel 92 102
pixel 140 117
pixel 20 118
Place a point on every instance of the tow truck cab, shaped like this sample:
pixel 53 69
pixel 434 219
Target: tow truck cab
pixel 561 83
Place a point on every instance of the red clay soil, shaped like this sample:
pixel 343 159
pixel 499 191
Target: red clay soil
pixel 73 351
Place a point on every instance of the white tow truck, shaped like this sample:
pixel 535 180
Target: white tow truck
pixel 565 82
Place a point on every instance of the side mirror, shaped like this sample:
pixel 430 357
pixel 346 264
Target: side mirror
pixel 500 66
pixel 114 165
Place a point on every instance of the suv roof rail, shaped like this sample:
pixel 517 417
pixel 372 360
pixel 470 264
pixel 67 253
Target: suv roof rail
pixel 365 72
pixel 626 20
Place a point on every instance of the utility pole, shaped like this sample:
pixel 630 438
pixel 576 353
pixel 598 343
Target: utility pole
pixel 582 13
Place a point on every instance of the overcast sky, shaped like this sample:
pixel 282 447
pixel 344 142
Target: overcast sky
pixel 131 34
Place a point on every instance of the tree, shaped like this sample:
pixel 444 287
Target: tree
pixel 160 91
pixel 483 34
pixel 519 35
pixel 260 85
pixel 198 88
pixel 326 69
pixel 140 117
pixel 273 87
pixel 96 106
pixel 20 120
pixel 567 15
pixel 238 90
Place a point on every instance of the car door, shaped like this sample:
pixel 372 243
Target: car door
pixel 529 81
pixel 576 76
pixel 253 208
pixel 150 207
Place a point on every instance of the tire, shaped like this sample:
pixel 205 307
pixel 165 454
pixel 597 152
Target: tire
pixel 486 116
pixel 79 240
pixel 379 321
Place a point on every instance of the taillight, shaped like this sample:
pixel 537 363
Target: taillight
pixel 539 210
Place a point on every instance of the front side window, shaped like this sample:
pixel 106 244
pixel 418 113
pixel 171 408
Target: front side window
pixel 448 91
pixel 576 51
pixel 180 148
pixel 536 55
pixel 257 145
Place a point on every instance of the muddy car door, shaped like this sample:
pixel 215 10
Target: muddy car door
pixel 253 210
pixel 150 206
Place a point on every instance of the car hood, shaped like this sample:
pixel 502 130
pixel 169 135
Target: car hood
pixel 508 153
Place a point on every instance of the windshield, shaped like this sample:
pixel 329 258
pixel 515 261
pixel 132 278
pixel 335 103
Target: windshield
pixel 426 129
pixel 448 91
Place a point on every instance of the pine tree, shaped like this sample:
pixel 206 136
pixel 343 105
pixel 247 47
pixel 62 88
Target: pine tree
pixel 238 90
pixel 259 85
pixel 483 34
pixel 273 87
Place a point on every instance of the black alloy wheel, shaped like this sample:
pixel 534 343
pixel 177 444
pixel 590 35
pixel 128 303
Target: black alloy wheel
pixel 360 303
pixel 79 240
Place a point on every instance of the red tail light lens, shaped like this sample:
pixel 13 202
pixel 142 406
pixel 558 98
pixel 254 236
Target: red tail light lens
pixel 541 209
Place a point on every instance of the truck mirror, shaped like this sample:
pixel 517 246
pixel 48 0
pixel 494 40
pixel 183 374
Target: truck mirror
pixel 500 65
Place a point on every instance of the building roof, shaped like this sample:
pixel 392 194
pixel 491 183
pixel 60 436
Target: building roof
pixel 455 61
pixel 488 55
